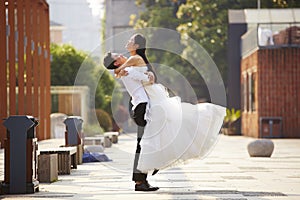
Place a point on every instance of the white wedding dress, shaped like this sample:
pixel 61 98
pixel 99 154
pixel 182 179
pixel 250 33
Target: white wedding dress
pixel 176 131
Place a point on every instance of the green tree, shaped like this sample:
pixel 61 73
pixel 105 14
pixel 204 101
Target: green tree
pixel 163 14
pixel 65 64
pixel 205 21
pixel 280 4
pixel 104 91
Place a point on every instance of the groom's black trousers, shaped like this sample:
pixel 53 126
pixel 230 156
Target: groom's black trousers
pixel 138 115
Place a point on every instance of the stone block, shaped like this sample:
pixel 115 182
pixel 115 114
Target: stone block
pixel 114 139
pixel 92 140
pixel 107 142
pixel 79 154
pixel 47 168
pixel 113 136
pixel 260 148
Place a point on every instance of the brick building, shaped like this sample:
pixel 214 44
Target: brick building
pixel 56 32
pixel 270 74
pixel 270 84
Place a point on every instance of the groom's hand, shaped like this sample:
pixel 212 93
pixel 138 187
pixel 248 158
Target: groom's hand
pixel 123 73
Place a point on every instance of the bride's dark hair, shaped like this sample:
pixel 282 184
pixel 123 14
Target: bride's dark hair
pixel 141 51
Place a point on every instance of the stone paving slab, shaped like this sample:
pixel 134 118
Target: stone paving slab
pixel 227 173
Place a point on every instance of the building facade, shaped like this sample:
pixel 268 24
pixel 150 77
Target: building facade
pixel 56 33
pixel 270 80
pixel 119 13
pixel 269 73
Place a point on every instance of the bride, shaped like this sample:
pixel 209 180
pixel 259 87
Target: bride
pixel 176 131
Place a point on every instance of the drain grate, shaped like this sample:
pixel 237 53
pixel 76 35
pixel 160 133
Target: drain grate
pixel 218 163
pixel 228 192
pixel 263 169
pixel 205 192
pixel 262 194
pixel 238 177
pixel 244 193
pixel 50 196
pixel 231 199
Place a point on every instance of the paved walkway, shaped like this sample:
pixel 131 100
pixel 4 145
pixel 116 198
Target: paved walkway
pixel 228 173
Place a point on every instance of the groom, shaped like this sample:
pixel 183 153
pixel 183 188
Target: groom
pixel 132 80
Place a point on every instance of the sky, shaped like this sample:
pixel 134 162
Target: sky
pixel 81 20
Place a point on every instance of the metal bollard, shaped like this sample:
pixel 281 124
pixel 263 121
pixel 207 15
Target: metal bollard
pixel 20 156
pixel 73 130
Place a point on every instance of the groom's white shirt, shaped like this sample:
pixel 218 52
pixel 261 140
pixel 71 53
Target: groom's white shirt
pixel 134 86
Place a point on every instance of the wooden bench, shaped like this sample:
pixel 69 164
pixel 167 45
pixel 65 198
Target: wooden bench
pixel 66 158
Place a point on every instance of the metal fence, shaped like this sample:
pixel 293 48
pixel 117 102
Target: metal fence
pixel 24 62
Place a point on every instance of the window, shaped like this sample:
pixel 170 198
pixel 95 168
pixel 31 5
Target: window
pixel 244 92
pixel 252 91
pixel 54 103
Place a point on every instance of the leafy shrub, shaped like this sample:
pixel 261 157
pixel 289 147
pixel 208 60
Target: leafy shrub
pixel 91 130
pixel 232 116
pixel 104 119
pixel 122 114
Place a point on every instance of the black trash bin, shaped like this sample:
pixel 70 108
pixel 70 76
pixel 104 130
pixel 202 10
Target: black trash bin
pixel 73 130
pixel 20 155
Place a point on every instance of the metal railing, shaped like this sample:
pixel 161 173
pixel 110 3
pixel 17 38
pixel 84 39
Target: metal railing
pixel 270 35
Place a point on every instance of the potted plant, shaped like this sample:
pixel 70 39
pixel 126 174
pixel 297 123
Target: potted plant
pixel 232 115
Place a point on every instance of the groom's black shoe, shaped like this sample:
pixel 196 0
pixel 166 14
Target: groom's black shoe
pixel 145 187
pixel 155 172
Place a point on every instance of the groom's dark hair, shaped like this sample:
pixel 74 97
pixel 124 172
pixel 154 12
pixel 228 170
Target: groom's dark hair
pixel 109 62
